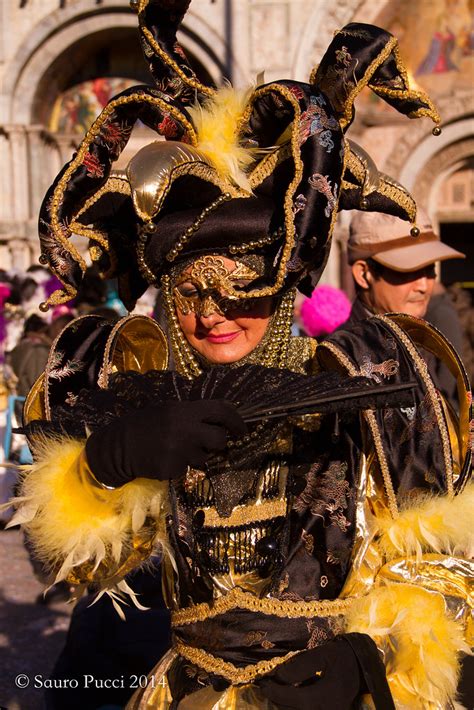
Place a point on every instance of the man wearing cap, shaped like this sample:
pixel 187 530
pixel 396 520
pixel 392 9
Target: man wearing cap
pixel 394 272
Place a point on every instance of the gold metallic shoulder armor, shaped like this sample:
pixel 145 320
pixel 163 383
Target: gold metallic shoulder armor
pixel 430 338
pixel 135 343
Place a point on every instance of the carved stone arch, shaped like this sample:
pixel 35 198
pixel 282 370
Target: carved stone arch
pixel 322 22
pixel 62 29
pixel 50 38
pixel 439 168
pixel 418 144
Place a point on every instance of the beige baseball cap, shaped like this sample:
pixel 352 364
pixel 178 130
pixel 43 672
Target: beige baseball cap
pixel 388 241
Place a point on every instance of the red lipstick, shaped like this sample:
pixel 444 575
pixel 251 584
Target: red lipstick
pixel 223 337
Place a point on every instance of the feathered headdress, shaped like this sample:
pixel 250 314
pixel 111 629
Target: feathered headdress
pixel 240 171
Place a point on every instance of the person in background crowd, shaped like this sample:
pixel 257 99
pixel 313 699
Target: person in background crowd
pixel 92 293
pixel 395 273
pixel 58 324
pixel 442 314
pixel 324 311
pixel 462 302
pixel 28 358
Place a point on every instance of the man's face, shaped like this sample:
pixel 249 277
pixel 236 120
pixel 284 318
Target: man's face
pixel 392 291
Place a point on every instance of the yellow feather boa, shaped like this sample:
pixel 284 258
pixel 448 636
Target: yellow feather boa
pixel 74 525
pixel 437 524
pixel 412 624
pixel 420 641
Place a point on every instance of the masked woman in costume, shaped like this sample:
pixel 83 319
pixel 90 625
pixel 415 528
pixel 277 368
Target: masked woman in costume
pixel 309 561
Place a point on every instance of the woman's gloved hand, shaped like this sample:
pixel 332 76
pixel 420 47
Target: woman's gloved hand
pixel 333 675
pixel 161 442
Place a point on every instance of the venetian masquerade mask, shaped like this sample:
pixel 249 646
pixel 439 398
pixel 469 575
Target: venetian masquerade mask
pixel 209 286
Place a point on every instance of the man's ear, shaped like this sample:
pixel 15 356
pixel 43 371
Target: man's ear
pixel 361 274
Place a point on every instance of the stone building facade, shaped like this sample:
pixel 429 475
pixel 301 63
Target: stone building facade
pixel 60 60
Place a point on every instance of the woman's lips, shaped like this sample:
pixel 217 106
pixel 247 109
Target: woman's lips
pixel 222 337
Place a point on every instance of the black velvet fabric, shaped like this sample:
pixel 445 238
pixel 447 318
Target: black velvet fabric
pixel 411 436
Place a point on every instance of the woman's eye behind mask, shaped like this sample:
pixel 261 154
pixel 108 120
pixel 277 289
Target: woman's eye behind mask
pixel 189 299
pixel 210 286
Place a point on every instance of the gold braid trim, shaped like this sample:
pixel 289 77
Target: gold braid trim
pixel 386 187
pixel 422 368
pixel 61 187
pixel 282 608
pixel 268 164
pixel 397 195
pixel 95 235
pixel 355 165
pixel 346 185
pixel 113 184
pixel 372 422
pixel 244 515
pixel 166 57
pixel 95 251
pixel 369 72
pixel 431 111
pixel 234 674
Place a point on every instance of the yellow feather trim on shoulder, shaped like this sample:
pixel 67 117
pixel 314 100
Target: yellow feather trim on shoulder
pixel 217 123
pixel 75 525
pixel 420 641
pixel 438 524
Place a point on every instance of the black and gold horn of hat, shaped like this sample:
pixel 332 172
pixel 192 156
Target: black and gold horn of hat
pixel 262 170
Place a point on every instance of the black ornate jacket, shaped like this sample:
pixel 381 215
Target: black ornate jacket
pixel 356 527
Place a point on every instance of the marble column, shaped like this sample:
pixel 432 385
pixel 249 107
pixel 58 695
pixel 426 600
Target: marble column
pixel 6 188
pixel 39 177
pixel 19 171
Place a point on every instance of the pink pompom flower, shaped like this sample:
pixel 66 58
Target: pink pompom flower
pixel 325 311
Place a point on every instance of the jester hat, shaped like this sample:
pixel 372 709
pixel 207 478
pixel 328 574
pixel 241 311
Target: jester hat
pixel 264 170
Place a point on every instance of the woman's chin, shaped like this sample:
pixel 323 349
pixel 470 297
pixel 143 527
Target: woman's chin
pixel 222 353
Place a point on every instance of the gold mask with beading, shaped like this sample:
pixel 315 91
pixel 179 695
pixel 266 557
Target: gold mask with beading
pixel 210 287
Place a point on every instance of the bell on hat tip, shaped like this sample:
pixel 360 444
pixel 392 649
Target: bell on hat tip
pixel 44 307
pixel 414 231
pixel 364 203
pixel 134 4
pixel 436 131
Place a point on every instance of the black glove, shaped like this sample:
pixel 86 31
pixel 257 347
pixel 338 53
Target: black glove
pixel 161 442
pixel 333 675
